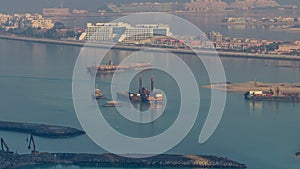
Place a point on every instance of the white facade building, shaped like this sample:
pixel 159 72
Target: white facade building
pixel 124 32
pixel 41 23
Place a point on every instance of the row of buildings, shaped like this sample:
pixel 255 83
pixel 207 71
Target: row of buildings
pixel 288 48
pixel 23 21
pixel 206 5
pixel 255 46
pixel 219 5
pixel 195 6
pixel 243 20
pixel 66 12
pixel 124 32
pixel 146 7
pixel 160 35
pixel 218 41
pixel 62 12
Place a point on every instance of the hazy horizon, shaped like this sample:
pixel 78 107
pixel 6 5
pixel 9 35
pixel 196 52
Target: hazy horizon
pixel 24 6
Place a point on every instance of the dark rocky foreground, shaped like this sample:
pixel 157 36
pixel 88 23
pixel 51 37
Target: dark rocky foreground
pixel 42 130
pixel 12 160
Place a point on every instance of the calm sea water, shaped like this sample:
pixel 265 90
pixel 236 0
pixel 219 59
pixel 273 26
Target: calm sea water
pixel 35 85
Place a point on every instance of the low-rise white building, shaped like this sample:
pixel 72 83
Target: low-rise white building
pixel 23 21
pixel 41 23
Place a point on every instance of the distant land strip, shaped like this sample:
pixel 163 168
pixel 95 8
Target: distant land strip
pixel 136 48
pixel 256 86
pixel 42 130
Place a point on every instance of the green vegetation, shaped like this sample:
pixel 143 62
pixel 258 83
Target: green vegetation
pixel 264 48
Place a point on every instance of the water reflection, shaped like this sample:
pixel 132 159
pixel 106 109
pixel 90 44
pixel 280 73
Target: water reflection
pixel 259 106
pixel 255 106
pixel 144 106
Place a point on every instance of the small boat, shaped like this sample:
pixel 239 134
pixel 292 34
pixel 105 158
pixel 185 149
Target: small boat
pixel 112 104
pixel 98 94
pixel 157 97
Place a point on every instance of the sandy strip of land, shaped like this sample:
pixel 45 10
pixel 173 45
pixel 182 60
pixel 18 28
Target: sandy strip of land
pixel 200 52
pixel 256 86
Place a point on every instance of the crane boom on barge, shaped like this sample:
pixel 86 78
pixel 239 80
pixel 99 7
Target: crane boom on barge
pixel 143 95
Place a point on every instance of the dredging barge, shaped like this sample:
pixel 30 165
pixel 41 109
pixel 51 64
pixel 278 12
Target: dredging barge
pixel 143 96
pixel 110 68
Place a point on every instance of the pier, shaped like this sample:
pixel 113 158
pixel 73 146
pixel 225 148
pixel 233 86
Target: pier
pixel 13 160
pixel 42 130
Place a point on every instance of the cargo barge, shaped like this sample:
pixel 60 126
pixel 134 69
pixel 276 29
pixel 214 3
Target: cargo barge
pixel 271 96
pixel 143 96
pixel 110 68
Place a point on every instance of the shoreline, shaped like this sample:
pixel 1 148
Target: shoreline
pixel 14 160
pixel 136 48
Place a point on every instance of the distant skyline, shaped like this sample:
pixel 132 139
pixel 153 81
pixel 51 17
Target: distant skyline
pixel 35 6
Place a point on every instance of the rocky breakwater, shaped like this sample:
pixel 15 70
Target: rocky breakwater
pixel 42 130
pixel 12 160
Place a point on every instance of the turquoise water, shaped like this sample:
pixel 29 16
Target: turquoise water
pixel 35 85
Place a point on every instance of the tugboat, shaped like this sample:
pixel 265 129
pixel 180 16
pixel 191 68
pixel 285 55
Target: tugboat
pixel 143 96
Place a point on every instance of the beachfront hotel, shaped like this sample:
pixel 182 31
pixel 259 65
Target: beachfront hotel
pixel 124 32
